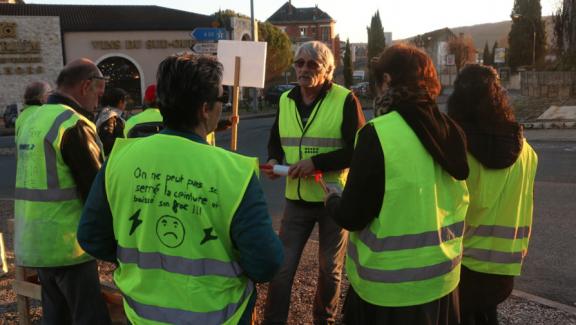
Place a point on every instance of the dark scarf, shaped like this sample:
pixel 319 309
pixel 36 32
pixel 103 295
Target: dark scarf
pixel 439 134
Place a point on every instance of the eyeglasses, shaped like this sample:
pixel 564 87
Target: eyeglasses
pixel 223 99
pixel 97 78
pixel 310 64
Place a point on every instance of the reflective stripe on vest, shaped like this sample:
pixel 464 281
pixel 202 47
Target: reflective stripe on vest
pixel 312 142
pixel 321 134
pixel 172 219
pixel 401 275
pixel 498 232
pixel 410 254
pixel 499 220
pixel 178 264
pixel 179 316
pixel 410 241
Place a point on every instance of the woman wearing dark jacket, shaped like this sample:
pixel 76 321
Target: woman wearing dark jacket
pixel 110 122
pixel 501 184
pixel 405 200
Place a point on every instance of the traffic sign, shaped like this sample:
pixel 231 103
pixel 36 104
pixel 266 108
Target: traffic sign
pixel 205 48
pixel 208 34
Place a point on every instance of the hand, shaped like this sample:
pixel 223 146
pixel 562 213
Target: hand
pixel 234 119
pixel 301 169
pixel 269 172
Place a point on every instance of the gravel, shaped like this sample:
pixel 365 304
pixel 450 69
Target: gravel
pixel 515 310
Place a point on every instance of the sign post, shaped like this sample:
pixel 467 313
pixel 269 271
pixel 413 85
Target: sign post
pixel 235 101
pixel 244 66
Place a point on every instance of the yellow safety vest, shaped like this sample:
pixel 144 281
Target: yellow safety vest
pixel 321 134
pixel 23 116
pixel 148 115
pixel 47 209
pixel 499 219
pixel 172 216
pixel 410 254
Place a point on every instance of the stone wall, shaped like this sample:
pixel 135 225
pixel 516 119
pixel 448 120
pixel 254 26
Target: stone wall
pixel 30 50
pixel 551 84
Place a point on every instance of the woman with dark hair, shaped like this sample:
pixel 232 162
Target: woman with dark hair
pixel 501 184
pixel 405 200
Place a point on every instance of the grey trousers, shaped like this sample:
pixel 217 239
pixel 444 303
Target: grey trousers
pixel 297 224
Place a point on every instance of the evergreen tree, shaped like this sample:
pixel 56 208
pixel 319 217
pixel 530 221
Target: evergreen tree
pixel 565 34
pixel 527 21
pixel 348 74
pixel 376 43
pixel 486 55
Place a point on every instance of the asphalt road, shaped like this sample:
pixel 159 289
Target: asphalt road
pixel 549 271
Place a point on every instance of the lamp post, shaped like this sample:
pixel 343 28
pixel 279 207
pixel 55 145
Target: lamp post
pixel 516 17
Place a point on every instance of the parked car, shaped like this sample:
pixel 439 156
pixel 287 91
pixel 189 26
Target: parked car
pixel 10 115
pixel 360 89
pixel 273 93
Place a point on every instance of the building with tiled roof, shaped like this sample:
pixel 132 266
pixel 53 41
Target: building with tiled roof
pixel 126 42
pixel 306 24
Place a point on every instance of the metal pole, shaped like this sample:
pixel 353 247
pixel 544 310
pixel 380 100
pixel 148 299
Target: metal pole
pixel 534 48
pixel 255 39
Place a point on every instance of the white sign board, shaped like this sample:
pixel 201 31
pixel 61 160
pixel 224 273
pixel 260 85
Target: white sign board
pixel 500 55
pixel 252 62
pixel 205 48
pixel 450 59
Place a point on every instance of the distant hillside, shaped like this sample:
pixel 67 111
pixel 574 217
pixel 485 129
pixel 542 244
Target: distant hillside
pixel 486 33
pixel 496 32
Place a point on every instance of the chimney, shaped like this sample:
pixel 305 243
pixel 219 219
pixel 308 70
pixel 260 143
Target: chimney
pixel 289 7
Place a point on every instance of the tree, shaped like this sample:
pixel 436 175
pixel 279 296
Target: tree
pixel 348 73
pixel 279 54
pixel 526 23
pixel 376 43
pixel 463 49
pixel 487 56
pixel 565 34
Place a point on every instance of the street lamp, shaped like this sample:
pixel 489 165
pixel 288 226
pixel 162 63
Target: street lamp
pixel 517 17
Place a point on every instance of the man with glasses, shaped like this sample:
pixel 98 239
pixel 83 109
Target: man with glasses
pixel 58 157
pixel 314 133
pixel 186 222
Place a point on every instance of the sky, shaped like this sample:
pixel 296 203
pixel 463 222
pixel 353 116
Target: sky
pixel 403 18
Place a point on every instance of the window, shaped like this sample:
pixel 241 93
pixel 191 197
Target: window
pixel 325 33
pixel 302 31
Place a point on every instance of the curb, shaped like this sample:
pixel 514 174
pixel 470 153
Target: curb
pixel 257 115
pixel 550 125
pixel 544 301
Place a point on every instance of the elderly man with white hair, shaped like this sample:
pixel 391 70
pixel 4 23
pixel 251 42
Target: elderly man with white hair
pixel 314 133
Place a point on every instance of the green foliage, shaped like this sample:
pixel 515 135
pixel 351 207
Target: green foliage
pixel 348 73
pixel 527 35
pixel 376 43
pixel 279 54
pixel 487 56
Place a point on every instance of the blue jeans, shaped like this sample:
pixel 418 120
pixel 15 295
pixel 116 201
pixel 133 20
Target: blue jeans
pixel 297 224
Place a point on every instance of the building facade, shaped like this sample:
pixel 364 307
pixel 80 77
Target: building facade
pixel 307 24
pixel 126 42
